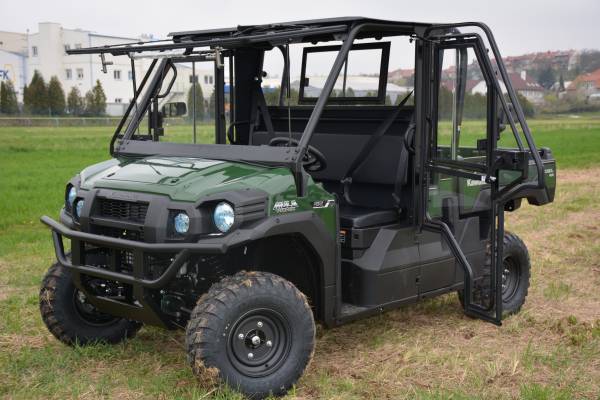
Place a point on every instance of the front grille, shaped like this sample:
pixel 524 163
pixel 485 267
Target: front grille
pixel 119 233
pixel 124 210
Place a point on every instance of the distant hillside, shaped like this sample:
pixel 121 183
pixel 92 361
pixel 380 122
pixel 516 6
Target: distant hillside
pixel 546 67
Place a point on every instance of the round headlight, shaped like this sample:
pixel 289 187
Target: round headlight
pixel 79 207
pixel 223 216
pixel 71 196
pixel 182 223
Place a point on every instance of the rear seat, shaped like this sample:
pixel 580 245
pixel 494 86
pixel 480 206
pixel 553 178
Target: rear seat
pixel 340 136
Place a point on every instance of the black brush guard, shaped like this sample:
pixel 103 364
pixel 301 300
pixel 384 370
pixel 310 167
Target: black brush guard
pixel 145 308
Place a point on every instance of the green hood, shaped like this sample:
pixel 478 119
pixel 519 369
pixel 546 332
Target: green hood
pixel 182 178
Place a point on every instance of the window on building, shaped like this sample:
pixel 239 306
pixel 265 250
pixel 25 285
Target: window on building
pixel 118 100
pixel 69 73
pixel 206 79
pixel 79 73
pixel 117 74
pixel 77 45
pixel 67 47
pixel 192 78
pixel 34 51
pixel 130 75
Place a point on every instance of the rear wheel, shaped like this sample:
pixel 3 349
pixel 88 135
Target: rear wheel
pixel 516 273
pixel 72 319
pixel 254 331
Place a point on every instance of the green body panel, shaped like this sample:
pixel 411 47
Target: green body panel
pixel 190 179
pixel 469 189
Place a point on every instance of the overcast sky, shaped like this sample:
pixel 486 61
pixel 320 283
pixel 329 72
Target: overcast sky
pixel 519 25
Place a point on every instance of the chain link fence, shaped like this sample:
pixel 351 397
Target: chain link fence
pixel 58 122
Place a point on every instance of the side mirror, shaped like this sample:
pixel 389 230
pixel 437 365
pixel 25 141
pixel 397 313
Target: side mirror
pixel 170 110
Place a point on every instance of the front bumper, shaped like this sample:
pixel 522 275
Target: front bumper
pixel 145 308
pixel 78 239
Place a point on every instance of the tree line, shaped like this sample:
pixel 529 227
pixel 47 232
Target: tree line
pixel 49 99
pixel 203 110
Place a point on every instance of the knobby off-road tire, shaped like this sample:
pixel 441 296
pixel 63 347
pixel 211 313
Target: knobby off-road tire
pixel 74 321
pixel 516 274
pixel 253 331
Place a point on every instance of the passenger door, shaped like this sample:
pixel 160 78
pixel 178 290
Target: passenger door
pixel 461 182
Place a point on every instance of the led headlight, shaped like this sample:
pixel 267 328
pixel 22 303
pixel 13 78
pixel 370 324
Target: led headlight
pixel 223 216
pixel 71 197
pixel 181 222
pixel 79 207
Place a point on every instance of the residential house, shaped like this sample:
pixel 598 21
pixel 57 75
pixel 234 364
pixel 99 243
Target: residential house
pixel 521 83
pixel 587 85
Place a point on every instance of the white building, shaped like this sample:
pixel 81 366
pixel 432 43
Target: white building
pixel 183 83
pixel 13 57
pixel 21 54
pixel 47 54
pixel 361 85
pixel 12 68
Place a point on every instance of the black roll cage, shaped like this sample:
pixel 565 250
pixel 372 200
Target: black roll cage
pixel 223 41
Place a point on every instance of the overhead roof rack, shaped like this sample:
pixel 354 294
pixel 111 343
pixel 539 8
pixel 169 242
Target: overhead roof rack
pixel 268 34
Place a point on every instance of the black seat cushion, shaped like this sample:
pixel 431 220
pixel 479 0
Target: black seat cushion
pixel 362 217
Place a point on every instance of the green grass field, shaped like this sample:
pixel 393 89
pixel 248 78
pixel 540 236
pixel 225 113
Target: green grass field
pixel 549 351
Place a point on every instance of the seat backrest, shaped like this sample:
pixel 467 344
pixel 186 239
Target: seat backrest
pixel 340 135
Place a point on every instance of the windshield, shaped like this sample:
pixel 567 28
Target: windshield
pixel 174 103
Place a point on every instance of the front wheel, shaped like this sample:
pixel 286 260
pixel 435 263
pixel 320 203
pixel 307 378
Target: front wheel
pixel 72 319
pixel 254 331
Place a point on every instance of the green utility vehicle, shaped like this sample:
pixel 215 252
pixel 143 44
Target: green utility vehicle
pixel 324 203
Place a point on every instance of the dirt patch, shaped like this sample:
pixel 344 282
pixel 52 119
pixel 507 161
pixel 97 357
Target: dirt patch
pixel 585 176
pixel 15 342
pixel 208 377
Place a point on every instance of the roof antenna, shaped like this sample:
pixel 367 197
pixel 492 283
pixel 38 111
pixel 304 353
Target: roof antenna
pixel 288 89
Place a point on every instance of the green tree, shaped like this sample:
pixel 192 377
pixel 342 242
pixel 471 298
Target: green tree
pixel 546 78
pixel 272 96
pixel 8 98
pixel 56 97
pixel 401 96
pixel 25 98
pixel 199 102
pixel 526 105
pixel 89 104
pixel 211 106
pixel 36 100
pixel 99 99
pixel 561 83
pixel 589 61
pixel 75 103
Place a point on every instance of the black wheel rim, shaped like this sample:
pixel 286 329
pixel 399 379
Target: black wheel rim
pixel 259 342
pixel 88 313
pixel 511 274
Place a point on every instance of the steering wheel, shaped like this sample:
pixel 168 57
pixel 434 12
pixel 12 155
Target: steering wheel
pixel 313 160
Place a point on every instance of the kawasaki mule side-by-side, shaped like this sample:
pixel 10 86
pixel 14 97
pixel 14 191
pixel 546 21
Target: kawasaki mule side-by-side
pixel 339 206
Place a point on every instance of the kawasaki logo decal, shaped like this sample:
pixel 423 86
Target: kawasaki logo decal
pixel 285 206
